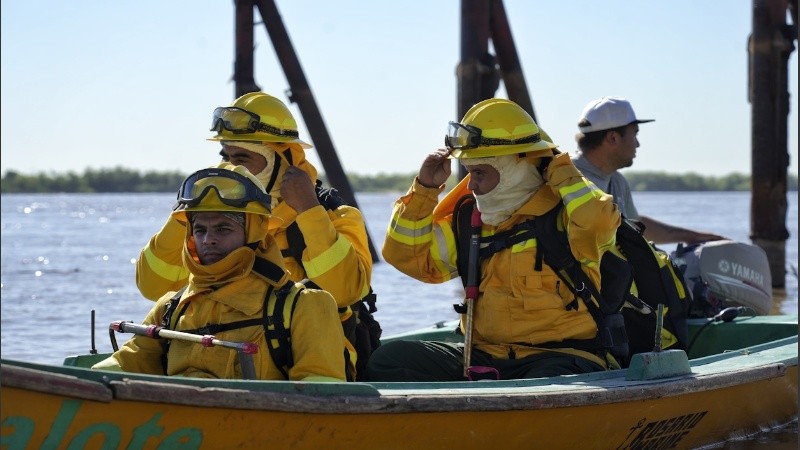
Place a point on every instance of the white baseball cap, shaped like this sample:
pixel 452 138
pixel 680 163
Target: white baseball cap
pixel 606 113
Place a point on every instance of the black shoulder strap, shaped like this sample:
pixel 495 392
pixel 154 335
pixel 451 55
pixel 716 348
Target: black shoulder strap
pixel 296 242
pixel 552 246
pixel 274 328
pixel 656 284
pixel 166 322
pixel 490 245
pixel 277 333
pixel 268 269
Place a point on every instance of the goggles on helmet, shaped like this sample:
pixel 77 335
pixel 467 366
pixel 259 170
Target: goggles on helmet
pixel 467 136
pixel 240 121
pixel 233 189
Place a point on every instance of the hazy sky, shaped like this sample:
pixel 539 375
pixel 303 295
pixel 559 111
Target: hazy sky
pixel 101 84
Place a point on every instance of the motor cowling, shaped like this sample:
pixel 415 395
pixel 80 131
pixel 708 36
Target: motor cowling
pixel 725 273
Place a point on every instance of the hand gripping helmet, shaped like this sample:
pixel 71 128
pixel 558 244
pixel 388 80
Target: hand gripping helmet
pixel 496 127
pixel 256 117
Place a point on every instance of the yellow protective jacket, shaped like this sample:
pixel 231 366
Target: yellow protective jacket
pixel 517 306
pixel 317 339
pixel 336 257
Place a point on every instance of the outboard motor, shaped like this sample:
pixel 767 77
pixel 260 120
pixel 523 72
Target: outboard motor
pixel 725 273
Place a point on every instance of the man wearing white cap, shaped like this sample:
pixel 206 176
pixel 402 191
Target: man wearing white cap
pixel 608 142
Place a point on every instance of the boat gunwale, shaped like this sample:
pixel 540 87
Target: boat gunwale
pixel 442 400
pixel 764 362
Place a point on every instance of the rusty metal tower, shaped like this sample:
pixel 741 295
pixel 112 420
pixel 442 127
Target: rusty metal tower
pixel 770 45
pixel 479 72
pixel 299 92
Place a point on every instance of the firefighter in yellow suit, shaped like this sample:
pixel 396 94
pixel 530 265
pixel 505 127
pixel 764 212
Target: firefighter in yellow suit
pixel 525 323
pixel 226 213
pixel 259 132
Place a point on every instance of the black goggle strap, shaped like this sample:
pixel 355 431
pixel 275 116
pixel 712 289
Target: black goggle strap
pixel 526 140
pixel 276 131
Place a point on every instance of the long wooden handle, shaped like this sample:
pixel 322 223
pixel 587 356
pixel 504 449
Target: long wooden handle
pixel 245 350
pixel 207 340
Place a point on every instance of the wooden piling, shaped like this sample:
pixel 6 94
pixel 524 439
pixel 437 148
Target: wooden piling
pixel 770 46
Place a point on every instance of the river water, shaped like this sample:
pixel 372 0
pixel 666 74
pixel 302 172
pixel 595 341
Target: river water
pixel 66 255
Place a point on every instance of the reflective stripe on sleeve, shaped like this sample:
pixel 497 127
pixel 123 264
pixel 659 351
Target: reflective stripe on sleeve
pixel 410 232
pixel 164 269
pixel 578 194
pixel 443 251
pixel 328 259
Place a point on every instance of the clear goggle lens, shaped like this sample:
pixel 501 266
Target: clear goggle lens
pixel 235 120
pixel 462 136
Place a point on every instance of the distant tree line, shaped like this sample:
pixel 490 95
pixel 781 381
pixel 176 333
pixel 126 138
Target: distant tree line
pixel 92 181
pixel 659 181
pixel 126 180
